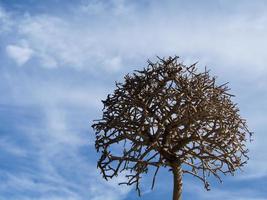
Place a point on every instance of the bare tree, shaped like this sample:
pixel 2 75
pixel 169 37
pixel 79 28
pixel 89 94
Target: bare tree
pixel 170 115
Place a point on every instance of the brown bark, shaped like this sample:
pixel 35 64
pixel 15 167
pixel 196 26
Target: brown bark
pixel 177 182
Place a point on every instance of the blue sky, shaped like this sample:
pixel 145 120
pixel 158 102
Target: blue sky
pixel 59 58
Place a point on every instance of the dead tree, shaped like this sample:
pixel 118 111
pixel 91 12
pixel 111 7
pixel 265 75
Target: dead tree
pixel 170 115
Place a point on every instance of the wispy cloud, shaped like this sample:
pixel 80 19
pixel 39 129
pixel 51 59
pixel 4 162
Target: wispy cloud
pixel 10 147
pixel 5 21
pixel 62 54
pixel 20 54
pixel 234 40
pixel 220 194
pixel 57 169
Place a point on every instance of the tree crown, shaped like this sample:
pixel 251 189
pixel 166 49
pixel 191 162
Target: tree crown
pixel 170 114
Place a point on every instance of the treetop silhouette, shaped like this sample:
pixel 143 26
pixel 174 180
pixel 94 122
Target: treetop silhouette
pixel 170 115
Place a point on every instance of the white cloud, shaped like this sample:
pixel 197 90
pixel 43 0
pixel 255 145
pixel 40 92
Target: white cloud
pixel 114 64
pixel 59 170
pixel 52 94
pixel 19 54
pixel 112 7
pixel 221 194
pixel 59 43
pixel 59 131
pixel 8 146
pixel 236 40
pixel 5 21
pixel 97 40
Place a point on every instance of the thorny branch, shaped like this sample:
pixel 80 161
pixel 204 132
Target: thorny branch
pixel 168 114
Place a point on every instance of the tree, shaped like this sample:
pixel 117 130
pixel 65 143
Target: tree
pixel 170 115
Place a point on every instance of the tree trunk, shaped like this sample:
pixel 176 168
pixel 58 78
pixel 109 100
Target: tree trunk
pixel 177 182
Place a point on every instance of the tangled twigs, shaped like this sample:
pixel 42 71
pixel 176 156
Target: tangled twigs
pixel 169 114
